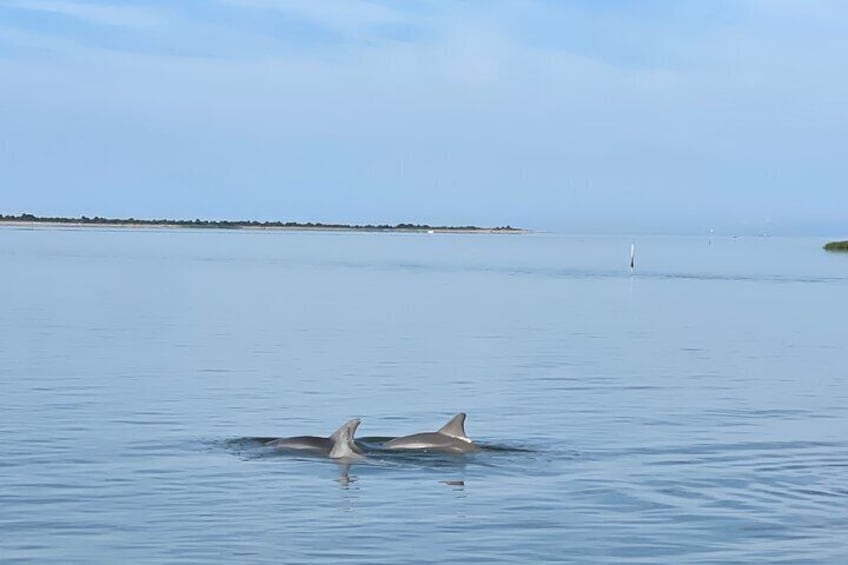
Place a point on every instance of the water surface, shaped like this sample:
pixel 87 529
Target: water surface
pixel 695 411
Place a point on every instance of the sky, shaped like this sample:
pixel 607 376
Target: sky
pixel 580 116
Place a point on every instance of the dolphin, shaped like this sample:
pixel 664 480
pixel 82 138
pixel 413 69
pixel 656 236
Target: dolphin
pixel 340 445
pixel 450 438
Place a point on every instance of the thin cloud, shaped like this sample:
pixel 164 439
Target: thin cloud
pixel 347 17
pixel 117 15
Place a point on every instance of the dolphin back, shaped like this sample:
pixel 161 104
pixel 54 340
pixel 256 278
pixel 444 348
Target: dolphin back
pixel 431 441
pixel 450 438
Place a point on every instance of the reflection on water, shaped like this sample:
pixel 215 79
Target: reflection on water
pixel 345 478
pixel 694 412
pixel 460 485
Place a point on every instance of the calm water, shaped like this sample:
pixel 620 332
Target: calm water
pixel 695 412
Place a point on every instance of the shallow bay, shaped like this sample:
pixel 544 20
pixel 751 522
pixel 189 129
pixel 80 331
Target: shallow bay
pixel 693 411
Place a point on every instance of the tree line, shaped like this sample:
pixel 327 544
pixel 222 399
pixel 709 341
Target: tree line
pixel 235 224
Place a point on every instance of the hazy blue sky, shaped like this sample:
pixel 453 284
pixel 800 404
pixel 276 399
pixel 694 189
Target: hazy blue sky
pixel 591 115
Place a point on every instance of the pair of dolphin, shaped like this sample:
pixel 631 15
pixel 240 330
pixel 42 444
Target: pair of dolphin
pixel 450 438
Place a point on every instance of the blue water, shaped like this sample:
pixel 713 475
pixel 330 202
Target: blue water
pixel 695 411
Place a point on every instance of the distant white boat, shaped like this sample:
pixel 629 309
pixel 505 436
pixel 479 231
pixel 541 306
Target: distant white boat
pixel 632 255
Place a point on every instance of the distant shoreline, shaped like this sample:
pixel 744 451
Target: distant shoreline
pixel 29 220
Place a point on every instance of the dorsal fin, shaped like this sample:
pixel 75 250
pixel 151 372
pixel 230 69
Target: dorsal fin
pixel 455 427
pixel 344 445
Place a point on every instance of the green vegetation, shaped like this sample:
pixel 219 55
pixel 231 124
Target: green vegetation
pixel 836 246
pixel 244 224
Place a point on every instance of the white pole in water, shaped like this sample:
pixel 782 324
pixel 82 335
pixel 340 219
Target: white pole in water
pixel 632 255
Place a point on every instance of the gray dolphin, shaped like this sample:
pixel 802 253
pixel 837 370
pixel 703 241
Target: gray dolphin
pixel 450 438
pixel 340 445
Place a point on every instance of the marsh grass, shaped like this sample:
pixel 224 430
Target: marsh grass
pixel 836 246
